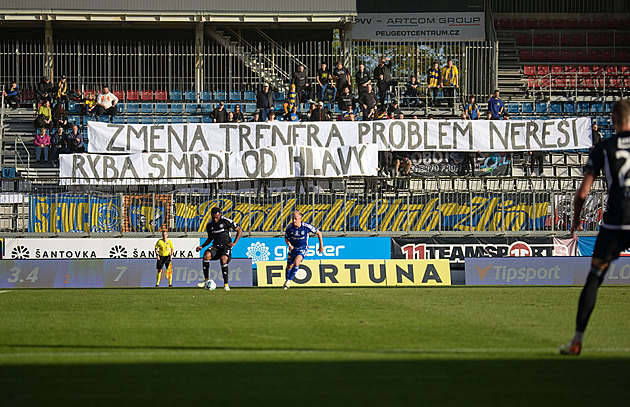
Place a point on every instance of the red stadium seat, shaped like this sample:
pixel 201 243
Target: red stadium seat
pixel 588 82
pixel 529 70
pixel 544 23
pixel 526 55
pixel 28 94
pixel 518 24
pixel 571 82
pixel 616 82
pixel 556 69
pixel 550 39
pixel 544 83
pixel 620 56
pixel 161 95
pixel 612 23
pixel 87 92
pixel 532 83
pixel 120 94
pixel 543 70
pixel 593 55
pixel 553 55
pixel 580 55
pixel 624 22
pixel 607 55
pixel 531 23
pixel 604 39
pixel 523 39
pixel 565 39
pixel 570 68
pixel 496 23
pixel 505 23
pixel 560 82
pixel 626 82
pixel 537 39
pixel 584 69
pixel 585 23
pixel 576 39
pixel 571 23
pixel 558 23
pixel 146 95
pixel 599 23
pixel 597 69
pixel 566 55
pixel 132 95
pixel 624 69
pixel 611 69
pixel 622 39
pixel 540 55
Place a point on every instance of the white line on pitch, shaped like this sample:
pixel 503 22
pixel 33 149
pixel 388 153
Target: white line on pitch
pixel 5 291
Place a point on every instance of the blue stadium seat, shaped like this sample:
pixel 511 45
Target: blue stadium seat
pixel 146 108
pixel 190 95
pixel 206 119
pixel 235 95
pixel 517 117
pixel 191 108
pixel 192 119
pixel 597 107
pixel 220 95
pixel 555 107
pixel 513 108
pixel 278 95
pixel 103 119
pixel 541 107
pixel 121 108
pixel 569 107
pixel 119 120
pixel 249 107
pixel 161 108
pixel 249 95
pixel 280 118
pixel 177 108
pixel 147 120
pixel 176 95
pixel 133 119
pixel 527 108
pixel 608 107
pixel 206 108
pixel 583 107
pixel 75 120
pixel 336 109
pixel 161 120
pixel 206 95
pixel 74 107
pixel 133 108
pixel 279 105
pixel 177 120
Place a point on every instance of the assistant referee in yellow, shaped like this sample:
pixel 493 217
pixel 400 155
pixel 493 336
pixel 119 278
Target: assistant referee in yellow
pixel 164 252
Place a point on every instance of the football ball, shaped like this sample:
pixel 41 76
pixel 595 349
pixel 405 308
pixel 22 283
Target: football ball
pixel 211 285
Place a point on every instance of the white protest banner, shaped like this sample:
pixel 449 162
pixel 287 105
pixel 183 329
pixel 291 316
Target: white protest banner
pixel 264 163
pixel 404 135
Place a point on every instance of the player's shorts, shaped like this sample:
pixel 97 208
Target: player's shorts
pixel 296 250
pixel 610 243
pixel 216 252
pixel 163 261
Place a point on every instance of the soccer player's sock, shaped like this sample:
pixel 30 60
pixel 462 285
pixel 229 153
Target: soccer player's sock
pixel 292 272
pixel 587 299
pixel 206 270
pixel 224 271
pixel 169 274
pixel 159 276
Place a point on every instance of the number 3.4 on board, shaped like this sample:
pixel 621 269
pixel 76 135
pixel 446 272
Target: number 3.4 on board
pixel 14 275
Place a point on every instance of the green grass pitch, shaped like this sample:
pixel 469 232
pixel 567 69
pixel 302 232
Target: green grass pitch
pixel 311 347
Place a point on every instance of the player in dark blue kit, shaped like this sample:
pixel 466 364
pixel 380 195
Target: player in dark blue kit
pixel 296 237
pixel 612 157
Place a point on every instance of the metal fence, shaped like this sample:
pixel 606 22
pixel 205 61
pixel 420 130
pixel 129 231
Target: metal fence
pixel 358 207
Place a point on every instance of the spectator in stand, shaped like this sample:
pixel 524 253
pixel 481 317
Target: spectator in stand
pixel 341 74
pixel 381 113
pixel 265 102
pixel 412 89
pixel 272 117
pixel 75 141
pixel 385 162
pixel 301 84
pixel 44 90
pixel 345 99
pixel 106 103
pixel 495 106
pixel 434 83
pixel 326 115
pixel 255 117
pixel 311 109
pixel 430 117
pixel 368 102
pixel 384 68
pixel 362 78
pixel 383 89
pixel 61 94
pixel 536 159
pixel 401 116
pixel 58 145
pixel 317 114
pixel 506 116
pixel 90 104
pixel 44 116
pixel 596 135
pixel 238 114
pixel 348 114
pixel 450 82
pixel 393 111
pixel 11 97
pixel 42 145
pixel 471 111
pixel 324 81
pixel 60 117
pixel 230 118
pixel 219 114
pixel 292 100
pixel 488 115
pixel 401 159
pixel 293 115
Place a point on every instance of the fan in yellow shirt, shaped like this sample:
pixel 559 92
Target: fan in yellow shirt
pixel 164 252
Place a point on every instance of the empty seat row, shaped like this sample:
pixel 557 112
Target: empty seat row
pixel 560 107
pixel 579 82
pixel 610 70
pixel 617 39
pixel 579 55
pixel 562 23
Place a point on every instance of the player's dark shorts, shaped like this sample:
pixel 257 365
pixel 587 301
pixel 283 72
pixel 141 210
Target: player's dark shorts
pixel 610 243
pixel 216 252
pixel 163 261
pixel 297 250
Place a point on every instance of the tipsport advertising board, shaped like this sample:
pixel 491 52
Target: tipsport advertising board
pixel 275 249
